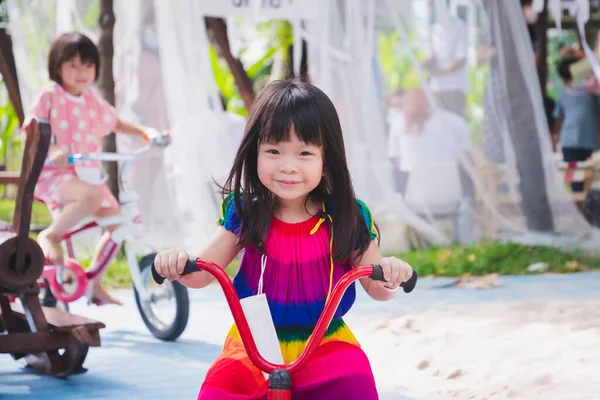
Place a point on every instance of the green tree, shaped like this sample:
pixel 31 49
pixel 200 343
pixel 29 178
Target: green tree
pixel 237 82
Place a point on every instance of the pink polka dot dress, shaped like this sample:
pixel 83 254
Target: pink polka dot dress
pixel 78 124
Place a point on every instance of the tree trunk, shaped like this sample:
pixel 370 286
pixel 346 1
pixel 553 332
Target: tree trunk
pixel 218 33
pixel 542 60
pixel 8 71
pixel 520 121
pixel 106 83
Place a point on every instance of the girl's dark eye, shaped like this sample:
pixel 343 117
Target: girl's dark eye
pixel 306 153
pixel 272 151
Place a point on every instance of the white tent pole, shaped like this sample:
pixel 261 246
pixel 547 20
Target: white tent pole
pixel 296 27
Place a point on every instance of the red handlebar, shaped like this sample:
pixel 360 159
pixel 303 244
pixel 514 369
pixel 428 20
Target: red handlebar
pixel 242 325
pixel 322 324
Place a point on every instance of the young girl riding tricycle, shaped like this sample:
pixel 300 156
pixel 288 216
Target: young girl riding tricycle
pixel 290 205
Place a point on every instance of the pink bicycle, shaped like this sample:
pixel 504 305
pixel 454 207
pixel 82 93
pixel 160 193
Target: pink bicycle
pixel 164 310
pixel 280 378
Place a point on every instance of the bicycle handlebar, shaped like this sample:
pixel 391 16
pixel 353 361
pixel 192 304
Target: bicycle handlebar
pixel 107 157
pixel 377 275
pixel 373 271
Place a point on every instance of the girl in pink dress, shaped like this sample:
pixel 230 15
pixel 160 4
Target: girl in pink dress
pixel 79 117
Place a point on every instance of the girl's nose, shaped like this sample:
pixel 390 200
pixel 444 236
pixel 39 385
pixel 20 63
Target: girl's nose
pixel 288 167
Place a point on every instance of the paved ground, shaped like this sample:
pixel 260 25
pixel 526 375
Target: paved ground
pixel 132 364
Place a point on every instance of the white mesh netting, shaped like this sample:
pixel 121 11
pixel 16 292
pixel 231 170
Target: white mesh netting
pixel 460 155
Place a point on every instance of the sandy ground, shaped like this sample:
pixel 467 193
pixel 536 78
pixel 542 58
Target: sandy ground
pixel 522 350
pixel 442 344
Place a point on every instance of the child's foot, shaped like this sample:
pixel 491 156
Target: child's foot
pixel 50 245
pixel 101 297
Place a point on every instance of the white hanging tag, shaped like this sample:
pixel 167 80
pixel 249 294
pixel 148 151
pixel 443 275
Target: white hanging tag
pixel 258 315
pixel 257 312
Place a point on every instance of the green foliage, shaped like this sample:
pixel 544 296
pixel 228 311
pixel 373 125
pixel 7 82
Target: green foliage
pixel 117 275
pixel 279 33
pixel 10 140
pixel 226 83
pixel 40 215
pixel 474 103
pixel 397 68
pixel 495 257
pixel 3 12
pixel 278 37
pixel 92 14
pixel 261 66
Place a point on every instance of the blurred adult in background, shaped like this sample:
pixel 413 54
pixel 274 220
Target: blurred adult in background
pixel 422 136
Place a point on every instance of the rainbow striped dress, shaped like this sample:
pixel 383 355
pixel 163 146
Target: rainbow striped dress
pixel 296 282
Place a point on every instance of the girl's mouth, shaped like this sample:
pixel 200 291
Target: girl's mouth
pixel 288 183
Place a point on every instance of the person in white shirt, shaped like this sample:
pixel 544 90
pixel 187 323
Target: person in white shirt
pixel 448 62
pixel 419 135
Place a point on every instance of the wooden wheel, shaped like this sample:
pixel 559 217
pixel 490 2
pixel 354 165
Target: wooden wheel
pixel 66 364
pixel 10 276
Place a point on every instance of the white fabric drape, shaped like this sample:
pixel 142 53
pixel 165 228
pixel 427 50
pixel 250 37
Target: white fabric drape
pixel 164 79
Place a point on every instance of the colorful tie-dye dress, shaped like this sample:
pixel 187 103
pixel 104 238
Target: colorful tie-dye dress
pixel 296 282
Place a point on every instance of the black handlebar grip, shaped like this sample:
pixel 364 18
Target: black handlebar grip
pixel 407 286
pixel 190 266
pixel 157 278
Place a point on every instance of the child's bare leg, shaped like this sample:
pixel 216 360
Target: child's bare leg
pixel 79 200
pixel 105 252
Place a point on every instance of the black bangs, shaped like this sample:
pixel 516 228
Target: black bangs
pixel 80 45
pixel 87 54
pixel 294 107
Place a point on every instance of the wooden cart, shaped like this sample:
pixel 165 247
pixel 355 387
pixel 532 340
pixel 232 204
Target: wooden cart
pixel 52 341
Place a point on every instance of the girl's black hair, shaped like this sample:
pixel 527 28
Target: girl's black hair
pixel 281 106
pixel 65 47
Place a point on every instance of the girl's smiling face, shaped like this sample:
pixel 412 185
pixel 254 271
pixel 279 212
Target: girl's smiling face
pixel 290 170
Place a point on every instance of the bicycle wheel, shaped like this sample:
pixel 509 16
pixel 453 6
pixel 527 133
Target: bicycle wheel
pixel 167 311
pixel 47 299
